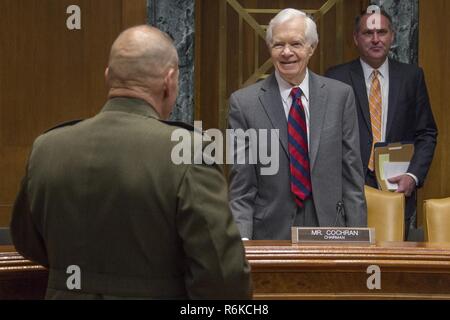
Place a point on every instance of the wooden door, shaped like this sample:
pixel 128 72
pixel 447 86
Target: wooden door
pixel 434 58
pixel 50 74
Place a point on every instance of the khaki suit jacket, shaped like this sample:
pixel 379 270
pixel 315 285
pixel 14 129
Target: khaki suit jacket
pixel 104 195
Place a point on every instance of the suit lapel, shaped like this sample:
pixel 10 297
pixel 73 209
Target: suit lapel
pixel 394 92
pixel 359 85
pixel 270 99
pixel 318 96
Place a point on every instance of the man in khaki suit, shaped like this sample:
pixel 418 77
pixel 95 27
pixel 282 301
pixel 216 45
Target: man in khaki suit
pixel 102 196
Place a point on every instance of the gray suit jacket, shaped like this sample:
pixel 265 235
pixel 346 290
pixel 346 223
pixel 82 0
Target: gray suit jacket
pixel 263 205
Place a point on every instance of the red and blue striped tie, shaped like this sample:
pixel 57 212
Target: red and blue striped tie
pixel 298 149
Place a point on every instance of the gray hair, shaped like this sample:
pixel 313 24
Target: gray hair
pixel 287 14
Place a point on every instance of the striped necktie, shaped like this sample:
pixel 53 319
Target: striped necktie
pixel 298 149
pixel 375 114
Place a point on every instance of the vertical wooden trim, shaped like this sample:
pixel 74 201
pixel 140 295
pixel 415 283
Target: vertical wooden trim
pixel 240 51
pixel 364 4
pixel 256 52
pixel 134 12
pixel 322 46
pixel 340 31
pixel 197 60
pixel 222 63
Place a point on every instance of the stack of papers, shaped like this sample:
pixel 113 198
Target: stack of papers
pixel 393 169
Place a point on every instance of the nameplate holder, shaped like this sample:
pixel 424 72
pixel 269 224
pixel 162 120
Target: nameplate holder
pixel 331 235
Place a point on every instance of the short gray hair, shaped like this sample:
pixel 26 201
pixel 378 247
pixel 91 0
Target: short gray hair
pixel 287 14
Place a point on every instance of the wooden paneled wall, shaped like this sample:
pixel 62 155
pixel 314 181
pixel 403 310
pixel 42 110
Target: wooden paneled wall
pixel 50 74
pixel 434 58
pixel 218 33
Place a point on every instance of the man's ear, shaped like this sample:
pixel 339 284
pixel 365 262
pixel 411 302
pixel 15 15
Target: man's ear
pixel 170 81
pixel 311 50
pixel 355 41
pixel 106 74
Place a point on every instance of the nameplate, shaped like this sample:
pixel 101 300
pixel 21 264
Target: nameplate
pixel 333 235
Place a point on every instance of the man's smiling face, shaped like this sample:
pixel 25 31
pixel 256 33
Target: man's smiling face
pixel 290 51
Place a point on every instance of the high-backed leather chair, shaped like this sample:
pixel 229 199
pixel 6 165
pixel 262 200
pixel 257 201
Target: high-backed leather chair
pixel 385 213
pixel 437 220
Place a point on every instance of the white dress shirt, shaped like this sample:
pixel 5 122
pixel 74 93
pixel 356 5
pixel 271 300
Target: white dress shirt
pixel 384 83
pixel 285 92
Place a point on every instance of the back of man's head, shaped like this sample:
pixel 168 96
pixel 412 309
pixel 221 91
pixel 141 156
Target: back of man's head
pixel 140 53
pixel 140 62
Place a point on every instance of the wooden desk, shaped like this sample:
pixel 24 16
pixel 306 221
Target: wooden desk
pixel 281 270
pixel 20 278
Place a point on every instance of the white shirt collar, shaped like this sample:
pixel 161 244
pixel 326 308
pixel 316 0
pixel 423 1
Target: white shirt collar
pixel 285 87
pixel 383 69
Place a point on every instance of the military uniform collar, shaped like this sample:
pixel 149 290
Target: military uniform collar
pixel 130 105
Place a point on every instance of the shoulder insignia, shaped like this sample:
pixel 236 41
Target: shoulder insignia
pixel 183 125
pixel 65 124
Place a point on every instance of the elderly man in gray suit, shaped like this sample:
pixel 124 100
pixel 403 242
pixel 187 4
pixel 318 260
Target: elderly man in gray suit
pixel 320 180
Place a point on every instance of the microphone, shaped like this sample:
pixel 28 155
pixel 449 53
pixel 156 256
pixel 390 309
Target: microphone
pixel 340 211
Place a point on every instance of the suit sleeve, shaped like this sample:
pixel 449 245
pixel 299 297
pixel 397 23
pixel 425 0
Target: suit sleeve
pixel 425 132
pixel 216 266
pixel 243 180
pixel 25 234
pixel 352 170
